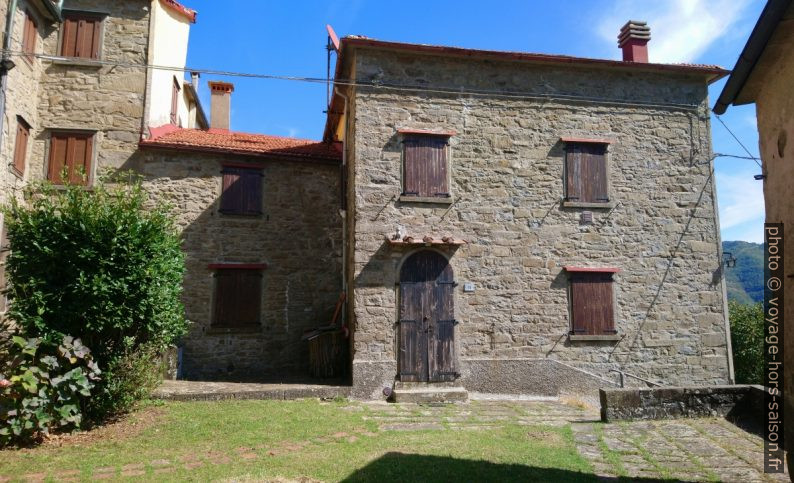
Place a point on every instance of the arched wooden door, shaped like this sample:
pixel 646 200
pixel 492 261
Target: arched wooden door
pixel 427 319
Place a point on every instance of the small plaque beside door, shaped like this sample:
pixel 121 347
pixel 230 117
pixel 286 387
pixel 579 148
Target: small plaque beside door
pixel 468 287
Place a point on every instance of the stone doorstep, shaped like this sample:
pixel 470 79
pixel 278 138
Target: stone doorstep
pixel 429 394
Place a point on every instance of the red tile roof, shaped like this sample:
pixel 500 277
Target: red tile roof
pixel 230 142
pixel 177 7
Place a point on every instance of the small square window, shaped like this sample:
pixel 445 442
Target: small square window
pixel 242 191
pixel 70 157
pixel 426 166
pixel 592 310
pixel 81 35
pixel 237 299
pixel 586 173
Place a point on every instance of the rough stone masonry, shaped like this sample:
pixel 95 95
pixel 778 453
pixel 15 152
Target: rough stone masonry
pixel 507 183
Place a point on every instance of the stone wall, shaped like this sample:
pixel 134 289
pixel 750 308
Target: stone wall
pixel 740 403
pixel 507 183
pixel 298 237
pixel 21 95
pixel 106 99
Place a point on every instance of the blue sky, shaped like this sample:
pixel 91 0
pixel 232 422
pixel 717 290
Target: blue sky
pixel 288 38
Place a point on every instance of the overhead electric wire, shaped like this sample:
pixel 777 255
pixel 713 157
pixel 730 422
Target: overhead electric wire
pixel 380 85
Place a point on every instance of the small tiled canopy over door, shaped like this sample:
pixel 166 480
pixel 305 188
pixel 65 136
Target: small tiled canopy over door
pixel 425 166
pixel 592 308
pixel 242 190
pixel 427 324
pixel 586 172
pixel 70 154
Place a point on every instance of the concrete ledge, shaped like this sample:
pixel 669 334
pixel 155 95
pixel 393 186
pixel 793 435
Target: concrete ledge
pixel 740 402
pixel 581 204
pixel 594 338
pixel 423 199
pixel 218 391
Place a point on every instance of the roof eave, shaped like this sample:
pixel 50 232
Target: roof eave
pixel 767 23
pixel 710 73
pixel 164 145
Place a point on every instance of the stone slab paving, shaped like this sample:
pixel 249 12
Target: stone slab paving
pixel 705 449
pixel 215 391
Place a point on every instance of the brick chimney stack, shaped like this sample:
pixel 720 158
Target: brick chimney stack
pixel 221 105
pixel 633 39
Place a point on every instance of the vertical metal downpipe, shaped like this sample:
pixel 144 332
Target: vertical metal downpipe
pixel 12 9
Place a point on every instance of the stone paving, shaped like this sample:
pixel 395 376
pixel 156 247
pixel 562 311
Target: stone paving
pixel 703 449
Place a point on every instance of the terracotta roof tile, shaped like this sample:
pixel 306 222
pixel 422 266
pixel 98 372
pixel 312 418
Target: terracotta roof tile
pixel 177 7
pixel 222 141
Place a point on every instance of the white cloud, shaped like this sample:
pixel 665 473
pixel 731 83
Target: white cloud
pixel 292 132
pixel 681 30
pixel 741 200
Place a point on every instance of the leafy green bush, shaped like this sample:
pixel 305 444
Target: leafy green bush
pixel 43 387
pixel 747 338
pixel 103 265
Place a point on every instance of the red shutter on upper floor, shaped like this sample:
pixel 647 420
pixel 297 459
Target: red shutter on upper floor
pixel 70 154
pixel 29 35
pixel 81 37
pixel 21 146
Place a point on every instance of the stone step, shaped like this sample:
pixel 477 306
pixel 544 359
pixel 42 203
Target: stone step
pixel 430 394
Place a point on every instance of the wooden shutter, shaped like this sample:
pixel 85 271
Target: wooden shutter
pixel 175 102
pixel 425 166
pixel 242 191
pixel 29 36
pixel 586 173
pixel 70 153
pixel 21 146
pixel 592 304
pixel 594 173
pixel 238 295
pixel 81 37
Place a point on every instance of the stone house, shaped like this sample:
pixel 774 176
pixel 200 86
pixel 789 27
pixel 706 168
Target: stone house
pixel 500 222
pixel 524 223
pixel 763 75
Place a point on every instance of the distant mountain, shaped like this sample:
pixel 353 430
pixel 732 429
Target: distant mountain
pixel 746 279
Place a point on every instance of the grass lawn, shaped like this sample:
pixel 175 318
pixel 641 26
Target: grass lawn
pixel 305 440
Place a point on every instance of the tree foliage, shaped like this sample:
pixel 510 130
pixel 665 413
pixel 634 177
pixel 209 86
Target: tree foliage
pixel 747 338
pixel 102 265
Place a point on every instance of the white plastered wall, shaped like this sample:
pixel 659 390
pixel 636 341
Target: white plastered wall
pixel 170 41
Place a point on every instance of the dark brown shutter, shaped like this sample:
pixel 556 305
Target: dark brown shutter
pixel 242 191
pixel 69 38
pixel 573 172
pixel 174 102
pixel 21 146
pixel 237 298
pixel 425 166
pixel 592 308
pixel 594 173
pixel 586 172
pixel 70 152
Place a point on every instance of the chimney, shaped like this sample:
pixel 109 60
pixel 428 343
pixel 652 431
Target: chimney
pixel 633 39
pixel 220 105
pixel 194 79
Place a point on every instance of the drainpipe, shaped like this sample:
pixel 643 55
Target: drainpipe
pixel 343 213
pixel 6 65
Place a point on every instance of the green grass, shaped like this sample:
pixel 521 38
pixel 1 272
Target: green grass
pixel 304 437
